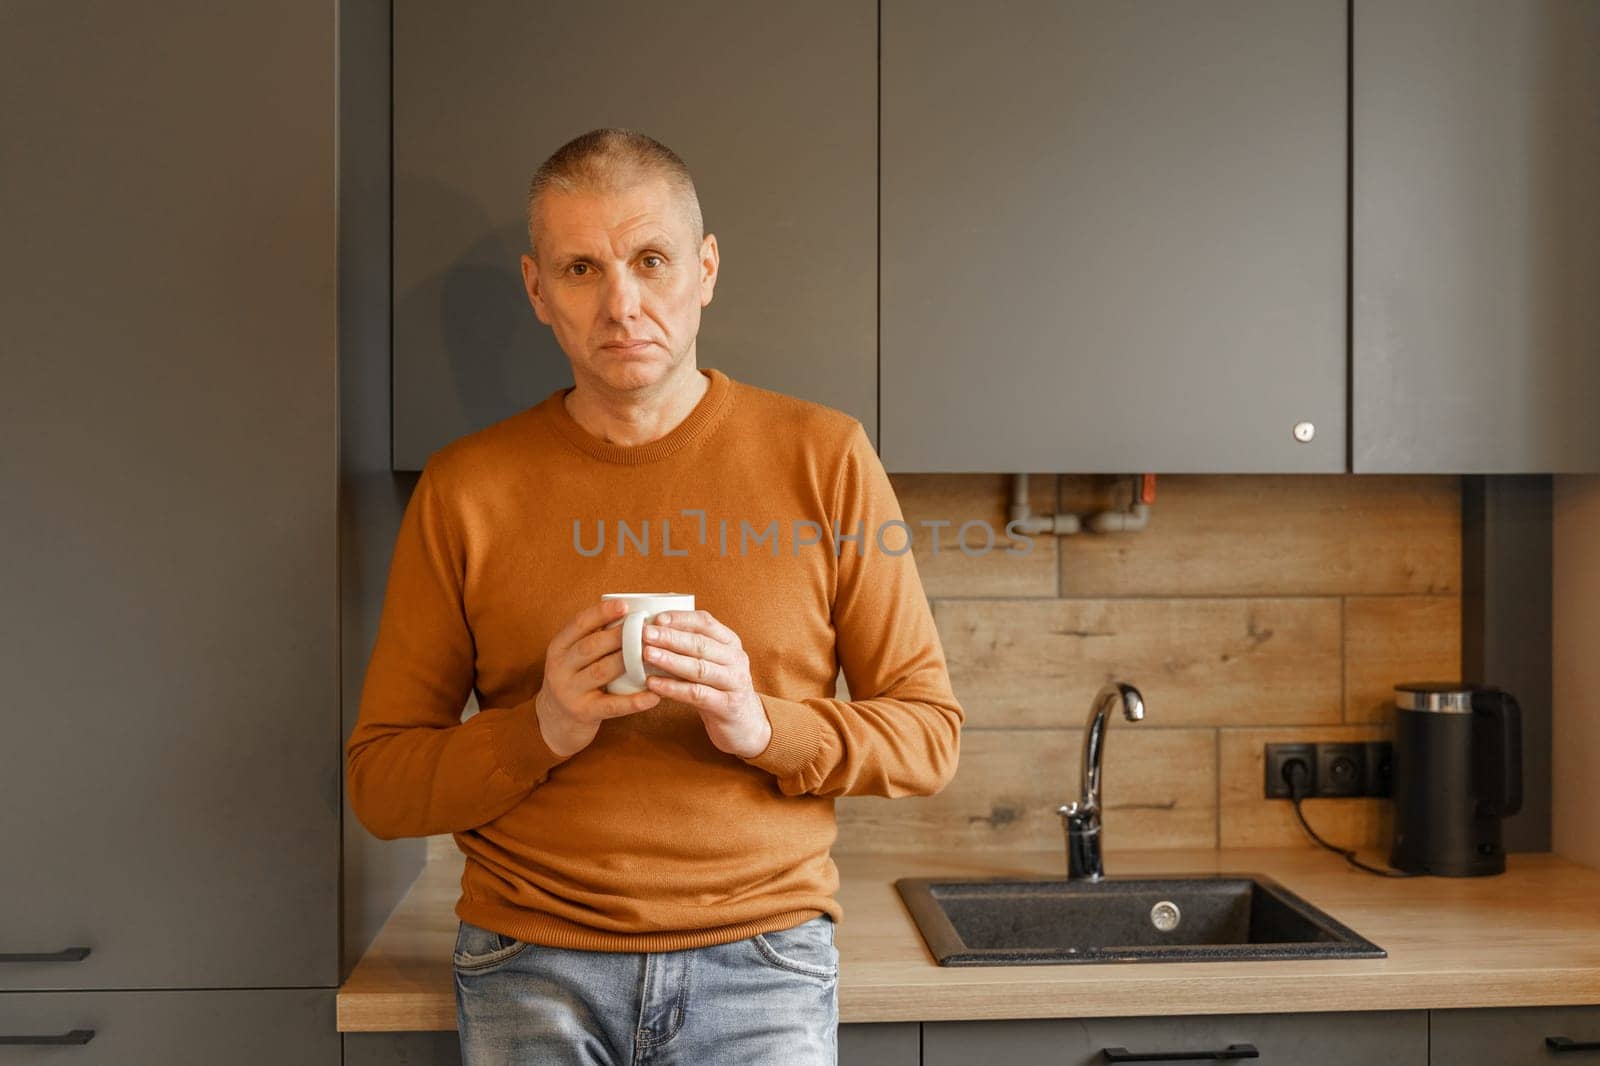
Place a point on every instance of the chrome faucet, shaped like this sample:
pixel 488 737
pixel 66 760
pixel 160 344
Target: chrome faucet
pixel 1082 818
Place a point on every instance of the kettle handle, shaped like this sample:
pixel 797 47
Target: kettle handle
pixel 1502 784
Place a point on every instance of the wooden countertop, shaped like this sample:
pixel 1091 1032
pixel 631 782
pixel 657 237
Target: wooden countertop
pixel 1530 936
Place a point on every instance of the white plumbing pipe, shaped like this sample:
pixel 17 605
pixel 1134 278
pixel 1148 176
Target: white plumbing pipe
pixel 1020 517
pixel 1030 524
pixel 1129 521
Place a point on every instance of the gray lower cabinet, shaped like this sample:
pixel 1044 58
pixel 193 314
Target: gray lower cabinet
pixel 880 1044
pixel 860 1044
pixel 1373 1039
pixel 1515 1035
pixel 1114 236
pixel 169 636
pixel 1503 1037
pixel 245 1027
pixel 1475 236
pixel 402 1049
pixel 772 106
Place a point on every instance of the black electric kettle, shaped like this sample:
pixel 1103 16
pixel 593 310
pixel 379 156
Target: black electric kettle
pixel 1457 773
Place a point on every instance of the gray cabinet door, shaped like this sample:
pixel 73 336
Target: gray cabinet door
pixel 402 1049
pixel 169 743
pixel 1476 236
pixel 1397 1038
pixel 1113 235
pixel 1514 1036
pixel 770 105
pixel 255 1027
pixel 880 1044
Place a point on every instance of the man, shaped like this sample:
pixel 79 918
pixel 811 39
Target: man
pixel 647 877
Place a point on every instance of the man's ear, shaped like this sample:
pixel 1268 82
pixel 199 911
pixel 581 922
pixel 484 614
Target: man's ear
pixel 530 282
pixel 709 263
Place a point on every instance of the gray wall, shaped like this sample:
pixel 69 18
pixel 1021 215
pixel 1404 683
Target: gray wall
pixel 371 498
pixel 1507 626
pixel 1575 732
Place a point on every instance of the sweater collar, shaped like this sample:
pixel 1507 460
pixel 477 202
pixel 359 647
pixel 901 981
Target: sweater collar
pixel 698 423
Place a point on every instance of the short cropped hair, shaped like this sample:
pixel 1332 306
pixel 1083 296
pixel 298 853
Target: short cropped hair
pixel 612 160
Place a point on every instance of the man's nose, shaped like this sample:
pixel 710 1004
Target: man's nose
pixel 622 297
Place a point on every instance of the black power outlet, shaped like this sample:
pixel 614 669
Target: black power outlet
pixel 1341 770
pixel 1279 756
pixel 1362 768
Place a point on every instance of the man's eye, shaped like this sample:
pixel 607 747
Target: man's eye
pixel 578 266
pixel 653 261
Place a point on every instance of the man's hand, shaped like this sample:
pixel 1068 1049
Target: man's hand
pixel 581 660
pixel 715 678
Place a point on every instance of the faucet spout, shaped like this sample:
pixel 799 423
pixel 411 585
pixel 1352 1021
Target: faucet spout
pixel 1082 818
pixel 1094 737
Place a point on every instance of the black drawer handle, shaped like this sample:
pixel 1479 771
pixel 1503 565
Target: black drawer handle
pixel 69 955
pixel 1232 1051
pixel 1566 1043
pixel 77 1036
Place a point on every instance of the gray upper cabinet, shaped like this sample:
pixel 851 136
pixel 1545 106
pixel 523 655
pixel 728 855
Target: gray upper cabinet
pixel 169 640
pixel 770 105
pixel 1476 236
pixel 1114 235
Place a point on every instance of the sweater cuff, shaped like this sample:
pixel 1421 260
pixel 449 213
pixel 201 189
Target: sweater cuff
pixel 519 747
pixel 797 735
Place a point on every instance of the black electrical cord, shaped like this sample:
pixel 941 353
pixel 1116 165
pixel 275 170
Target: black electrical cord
pixel 1295 774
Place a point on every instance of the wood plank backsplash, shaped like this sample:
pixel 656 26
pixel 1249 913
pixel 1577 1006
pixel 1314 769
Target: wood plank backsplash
pixel 1251 609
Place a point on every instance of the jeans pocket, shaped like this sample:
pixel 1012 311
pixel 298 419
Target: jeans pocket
pixel 806 948
pixel 479 949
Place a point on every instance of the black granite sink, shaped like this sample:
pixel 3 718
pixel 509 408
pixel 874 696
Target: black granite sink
pixel 1221 917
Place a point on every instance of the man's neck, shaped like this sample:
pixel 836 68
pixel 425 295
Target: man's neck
pixel 632 419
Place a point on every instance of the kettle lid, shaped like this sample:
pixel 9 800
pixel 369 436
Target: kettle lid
pixel 1447 697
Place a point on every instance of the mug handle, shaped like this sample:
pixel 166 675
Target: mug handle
pixel 633 648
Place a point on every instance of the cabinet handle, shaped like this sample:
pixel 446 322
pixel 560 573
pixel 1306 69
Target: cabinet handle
pixel 77 1036
pixel 69 955
pixel 1559 1044
pixel 1232 1051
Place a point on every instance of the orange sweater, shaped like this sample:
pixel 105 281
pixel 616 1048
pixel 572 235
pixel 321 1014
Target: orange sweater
pixel 650 839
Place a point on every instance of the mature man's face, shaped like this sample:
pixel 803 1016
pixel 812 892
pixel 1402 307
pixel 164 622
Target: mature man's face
pixel 621 280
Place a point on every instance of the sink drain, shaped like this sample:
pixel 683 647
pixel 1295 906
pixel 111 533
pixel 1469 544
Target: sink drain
pixel 1165 916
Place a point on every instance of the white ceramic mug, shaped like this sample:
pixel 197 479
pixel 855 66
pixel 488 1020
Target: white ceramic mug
pixel 642 608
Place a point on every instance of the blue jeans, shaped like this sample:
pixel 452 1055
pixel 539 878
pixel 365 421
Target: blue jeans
pixel 771 998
